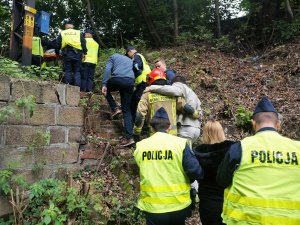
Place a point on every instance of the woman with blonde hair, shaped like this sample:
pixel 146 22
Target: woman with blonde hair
pixel 210 154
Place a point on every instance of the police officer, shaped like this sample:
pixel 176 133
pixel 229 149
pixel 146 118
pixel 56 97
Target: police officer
pixel 37 51
pixel 73 46
pixel 90 62
pixel 167 167
pixel 140 68
pixel 261 174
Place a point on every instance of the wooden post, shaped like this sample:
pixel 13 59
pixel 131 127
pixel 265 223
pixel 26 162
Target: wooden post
pixel 30 11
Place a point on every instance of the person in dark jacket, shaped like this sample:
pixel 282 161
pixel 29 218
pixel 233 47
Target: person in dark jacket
pixel 73 46
pixel 209 155
pixel 141 69
pixel 118 76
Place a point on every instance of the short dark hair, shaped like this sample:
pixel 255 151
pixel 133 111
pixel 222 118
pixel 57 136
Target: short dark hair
pixel 159 124
pixel 159 60
pixel 262 117
pixel 178 78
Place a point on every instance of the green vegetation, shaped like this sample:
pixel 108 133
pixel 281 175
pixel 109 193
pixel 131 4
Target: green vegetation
pixel 243 118
pixel 14 69
pixel 26 104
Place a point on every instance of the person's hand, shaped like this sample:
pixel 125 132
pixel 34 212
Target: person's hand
pixel 83 57
pixel 104 90
pixel 147 89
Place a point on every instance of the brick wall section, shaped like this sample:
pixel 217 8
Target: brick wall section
pixel 21 144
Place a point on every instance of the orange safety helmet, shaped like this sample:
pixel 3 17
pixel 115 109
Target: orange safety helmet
pixel 156 74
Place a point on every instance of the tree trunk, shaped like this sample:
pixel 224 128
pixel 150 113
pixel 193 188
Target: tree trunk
pixel 175 11
pixel 289 11
pixel 143 8
pixel 90 18
pixel 217 18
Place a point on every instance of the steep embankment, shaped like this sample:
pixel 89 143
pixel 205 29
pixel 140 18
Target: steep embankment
pixel 224 82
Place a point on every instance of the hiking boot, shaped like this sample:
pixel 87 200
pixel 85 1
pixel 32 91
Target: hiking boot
pixel 115 113
pixel 127 142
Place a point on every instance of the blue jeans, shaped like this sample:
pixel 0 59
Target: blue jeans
pixel 72 66
pixel 87 76
pixel 125 87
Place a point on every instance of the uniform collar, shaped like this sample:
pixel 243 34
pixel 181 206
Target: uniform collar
pixel 267 129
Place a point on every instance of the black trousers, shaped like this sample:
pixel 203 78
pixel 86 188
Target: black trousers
pixel 136 97
pixel 170 218
pixel 210 211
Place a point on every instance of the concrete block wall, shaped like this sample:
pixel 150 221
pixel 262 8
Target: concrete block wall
pixel 57 112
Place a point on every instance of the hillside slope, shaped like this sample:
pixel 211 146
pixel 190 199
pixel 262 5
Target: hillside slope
pixel 224 82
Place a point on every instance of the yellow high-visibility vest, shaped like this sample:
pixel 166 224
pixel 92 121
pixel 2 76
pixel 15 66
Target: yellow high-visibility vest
pixel 265 187
pixel 37 48
pixel 168 103
pixel 164 186
pixel 92 54
pixel 71 37
pixel 146 70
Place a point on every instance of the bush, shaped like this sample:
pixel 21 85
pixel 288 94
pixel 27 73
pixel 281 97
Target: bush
pixel 243 118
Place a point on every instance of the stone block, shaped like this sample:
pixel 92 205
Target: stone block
pixel 17 158
pixel 61 92
pixel 4 88
pixel 58 135
pixel 44 91
pixel 17 115
pixel 55 155
pixel 5 206
pixel 72 95
pixel 48 93
pixel 74 134
pixel 18 135
pixel 70 116
pixel 23 88
pixel 42 115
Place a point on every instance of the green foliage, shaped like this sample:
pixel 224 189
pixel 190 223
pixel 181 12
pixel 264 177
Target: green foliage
pixel 285 31
pixel 27 103
pixel 14 69
pixel 5 176
pixel 40 140
pixel 223 43
pixel 201 33
pixel 52 203
pixel 8 181
pixel 243 118
pixel 24 104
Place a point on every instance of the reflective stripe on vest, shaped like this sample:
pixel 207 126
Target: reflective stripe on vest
pixel 92 53
pixel 146 70
pixel 169 103
pixel 164 187
pixel 71 38
pixel 265 188
pixel 37 48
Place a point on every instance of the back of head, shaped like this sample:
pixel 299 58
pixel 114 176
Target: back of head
pixel 213 133
pixel 68 24
pixel 88 33
pixel 160 121
pixel 264 114
pixel 130 51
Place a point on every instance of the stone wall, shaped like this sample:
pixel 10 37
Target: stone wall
pixel 21 143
